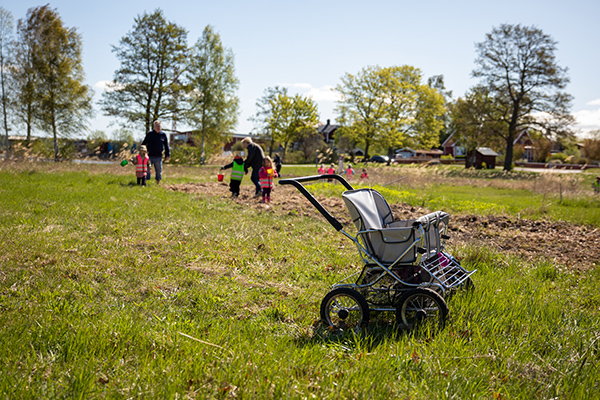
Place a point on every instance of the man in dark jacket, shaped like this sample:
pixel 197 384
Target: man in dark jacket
pixel 254 159
pixel 156 142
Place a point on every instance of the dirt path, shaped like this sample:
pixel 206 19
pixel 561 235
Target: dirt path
pixel 570 245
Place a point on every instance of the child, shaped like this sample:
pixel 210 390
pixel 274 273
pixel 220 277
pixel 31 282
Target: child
pixel 364 174
pixel 237 173
pixel 349 173
pixel 321 170
pixel 331 171
pixel 142 165
pixel 596 185
pixel 266 175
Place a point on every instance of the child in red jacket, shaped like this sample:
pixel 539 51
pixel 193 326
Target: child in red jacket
pixel 265 176
pixel 142 166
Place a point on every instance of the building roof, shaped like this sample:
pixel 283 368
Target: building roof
pixel 326 127
pixel 486 151
pixel 432 151
pixel 449 140
pixel 523 132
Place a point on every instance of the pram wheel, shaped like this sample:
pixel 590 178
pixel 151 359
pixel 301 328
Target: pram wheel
pixel 344 308
pixel 422 308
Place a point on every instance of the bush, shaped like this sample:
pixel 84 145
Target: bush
pixel 294 157
pixel 185 154
pixel 557 156
pixel 447 157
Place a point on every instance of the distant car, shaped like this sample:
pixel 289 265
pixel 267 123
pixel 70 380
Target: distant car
pixel 380 159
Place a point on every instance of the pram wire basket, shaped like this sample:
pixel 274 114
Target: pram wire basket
pixel 407 268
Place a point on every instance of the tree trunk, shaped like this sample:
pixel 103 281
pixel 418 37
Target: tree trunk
pixel 4 112
pixel 55 141
pixel 285 145
pixel 512 129
pixel 202 154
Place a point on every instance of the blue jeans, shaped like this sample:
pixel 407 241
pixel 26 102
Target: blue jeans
pixel 157 163
pixel 256 180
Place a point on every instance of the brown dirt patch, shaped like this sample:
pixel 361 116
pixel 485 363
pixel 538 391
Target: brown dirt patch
pixel 573 246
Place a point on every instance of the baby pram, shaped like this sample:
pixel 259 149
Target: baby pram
pixel 407 269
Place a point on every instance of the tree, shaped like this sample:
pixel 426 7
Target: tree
pixel 292 117
pixel 24 79
pixel 123 135
pixel 287 118
pixel 63 101
pixel 6 31
pixel 389 107
pixel 264 112
pixel 474 120
pixel 147 85
pixel 591 146
pixel 517 67
pixel 213 100
pixel 437 82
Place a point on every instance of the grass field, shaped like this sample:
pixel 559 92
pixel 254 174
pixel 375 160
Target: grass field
pixel 108 290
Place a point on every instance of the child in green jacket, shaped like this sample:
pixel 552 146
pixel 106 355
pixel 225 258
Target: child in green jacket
pixel 236 175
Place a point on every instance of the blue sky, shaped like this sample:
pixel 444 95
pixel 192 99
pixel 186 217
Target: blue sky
pixel 309 45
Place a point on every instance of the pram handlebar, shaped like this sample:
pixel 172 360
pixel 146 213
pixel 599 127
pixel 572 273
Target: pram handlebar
pixel 297 183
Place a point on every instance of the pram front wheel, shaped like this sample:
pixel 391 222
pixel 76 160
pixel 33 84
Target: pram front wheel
pixel 344 308
pixel 422 308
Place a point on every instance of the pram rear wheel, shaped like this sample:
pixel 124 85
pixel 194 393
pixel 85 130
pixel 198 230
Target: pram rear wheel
pixel 344 308
pixel 422 309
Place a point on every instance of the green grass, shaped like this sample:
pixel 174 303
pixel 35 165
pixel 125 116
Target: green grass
pixel 489 201
pixel 108 290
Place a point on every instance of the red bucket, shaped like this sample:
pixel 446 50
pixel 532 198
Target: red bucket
pixel 220 177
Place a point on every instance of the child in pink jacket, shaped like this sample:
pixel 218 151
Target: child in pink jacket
pixel 265 176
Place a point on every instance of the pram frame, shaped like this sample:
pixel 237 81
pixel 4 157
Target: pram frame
pixel 369 260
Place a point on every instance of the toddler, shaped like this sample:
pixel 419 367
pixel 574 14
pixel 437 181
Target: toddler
pixel 237 173
pixel 142 165
pixel 266 175
pixel 349 173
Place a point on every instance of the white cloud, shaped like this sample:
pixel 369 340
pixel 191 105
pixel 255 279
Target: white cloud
pixel 322 94
pixel 588 120
pixel 103 85
pixel 296 85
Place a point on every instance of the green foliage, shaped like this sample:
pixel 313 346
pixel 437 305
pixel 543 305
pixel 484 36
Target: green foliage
pixel 146 86
pixel 44 148
pixel 213 101
pixel 63 102
pixel 185 155
pixel 123 135
pixel 389 107
pixel 591 149
pixel 557 156
pixel 286 119
pixel 6 64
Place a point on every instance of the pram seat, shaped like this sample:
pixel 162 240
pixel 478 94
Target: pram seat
pixel 388 241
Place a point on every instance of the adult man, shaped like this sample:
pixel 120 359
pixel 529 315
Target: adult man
pixel 156 142
pixel 254 159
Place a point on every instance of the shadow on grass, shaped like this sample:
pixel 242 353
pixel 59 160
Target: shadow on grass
pixel 366 338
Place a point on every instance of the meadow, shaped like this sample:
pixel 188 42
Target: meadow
pixel 109 290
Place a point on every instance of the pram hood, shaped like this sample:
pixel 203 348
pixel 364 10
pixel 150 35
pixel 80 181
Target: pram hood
pixel 386 240
pixel 368 209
